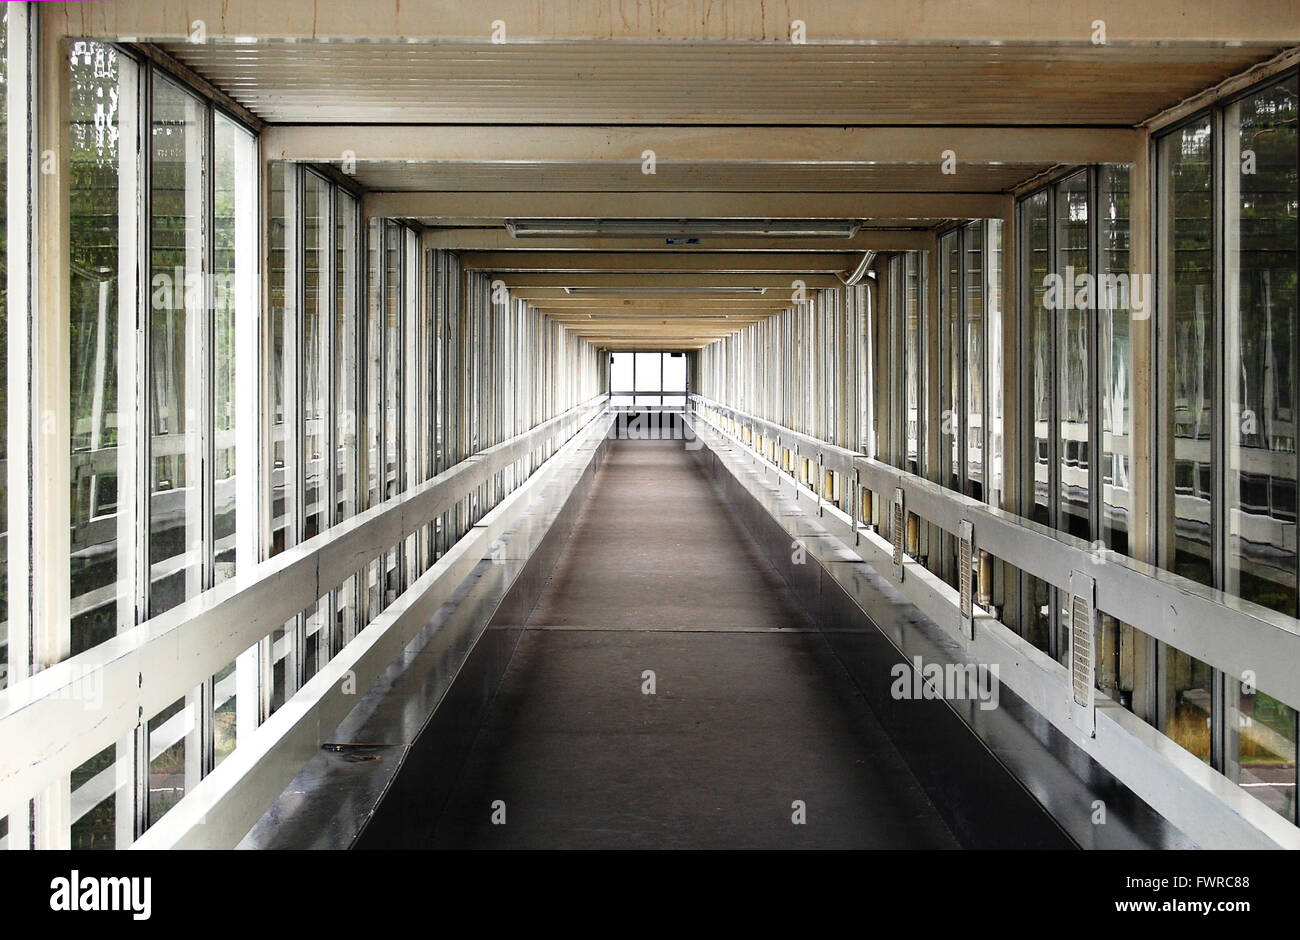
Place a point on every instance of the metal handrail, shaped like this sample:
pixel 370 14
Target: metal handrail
pixel 46 731
pixel 1234 635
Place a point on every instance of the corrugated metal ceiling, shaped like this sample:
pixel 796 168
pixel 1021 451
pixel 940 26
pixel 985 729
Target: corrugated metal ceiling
pixel 712 83
pixel 686 83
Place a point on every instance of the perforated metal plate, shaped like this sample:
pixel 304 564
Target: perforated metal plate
pixel 898 529
pixel 1083 654
pixel 965 553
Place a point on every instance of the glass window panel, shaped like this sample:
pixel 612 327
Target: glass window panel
pixel 374 362
pixel 392 356
pixel 96 787
pixel 1260 232
pixel 1186 703
pixel 224 700
pixel 234 267
pixel 173 756
pixel 392 573
pixel 282 346
pixel 648 375
pixel 176 326
pixel 1259 349
pixel 896 346
pixel 1184 237
pixel 374 596
pixel 282 677
pixel 1266 755
pixel 1118 291
pixel 951 324
pixel 1037 618
pixel 912 346
pixel 674 372
pixel 620 372
pixel 974 424
pixel 347 375
pixel 414 387
pixel 1073 390
pixel 315 354
pixel 993 330
pixel 316 639
pixel 1035 221
pixel 93 316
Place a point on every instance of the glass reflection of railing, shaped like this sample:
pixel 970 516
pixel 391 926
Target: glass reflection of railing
pixel 1261 523
pixel 168 510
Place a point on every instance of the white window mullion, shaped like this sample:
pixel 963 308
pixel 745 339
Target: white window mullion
pixel 132 578
pixel 248 421
pixel 21 168
pixel 49 448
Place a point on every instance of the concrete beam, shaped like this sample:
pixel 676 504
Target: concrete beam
pixel 449 208
pixel 542 284
pixel 777 300
pixel 794 263
pixel 976 21
pixel 638 319
pixel 498 239
pixel 664 325
pixel 486 144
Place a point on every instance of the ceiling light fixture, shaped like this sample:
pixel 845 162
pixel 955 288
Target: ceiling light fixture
pixel 862 271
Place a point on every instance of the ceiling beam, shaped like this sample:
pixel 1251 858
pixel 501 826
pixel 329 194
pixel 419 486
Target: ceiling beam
pixel 664 325
pixel 649 314
pixel 498 239
pixel 635 321
pixel 776 299
pixel 680 331
pixel 596 144
pixel 678 314
pixel 544 284
pixel 722 262
pixel 451 208
pixel 976 21
pixel 666 345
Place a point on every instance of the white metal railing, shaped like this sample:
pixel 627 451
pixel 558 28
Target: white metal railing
pixel 46 731
pixel 1198 799
pixel 1229 633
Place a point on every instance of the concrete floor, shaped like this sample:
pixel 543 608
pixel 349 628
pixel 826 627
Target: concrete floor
pixel 751 710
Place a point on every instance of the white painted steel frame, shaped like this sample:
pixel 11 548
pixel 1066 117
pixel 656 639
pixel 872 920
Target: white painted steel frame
pixel 21 221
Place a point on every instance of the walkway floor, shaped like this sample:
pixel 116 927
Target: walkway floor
pixel 751 712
